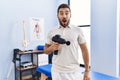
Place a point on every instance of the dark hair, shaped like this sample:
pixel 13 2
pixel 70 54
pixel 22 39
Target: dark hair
pixel 63 6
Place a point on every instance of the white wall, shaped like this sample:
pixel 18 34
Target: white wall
pixel 104 57
pixel 118 24
pixel 12 13
pixel 118 37
pixel 80 12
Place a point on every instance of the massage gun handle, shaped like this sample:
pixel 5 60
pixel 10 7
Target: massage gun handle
pixel 56 52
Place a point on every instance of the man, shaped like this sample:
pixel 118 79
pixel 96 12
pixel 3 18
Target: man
pixel 65 64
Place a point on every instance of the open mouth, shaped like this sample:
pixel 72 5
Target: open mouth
pixel 64 20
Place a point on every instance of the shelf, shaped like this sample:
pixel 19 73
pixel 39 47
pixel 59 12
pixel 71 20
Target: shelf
pixel 23 69
pixel 26 77
pixel 30 52
pixel 23 75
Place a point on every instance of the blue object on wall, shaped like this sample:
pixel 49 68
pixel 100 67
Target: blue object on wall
pixel 40 47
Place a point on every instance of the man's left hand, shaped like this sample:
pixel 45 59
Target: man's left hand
pixel 86 76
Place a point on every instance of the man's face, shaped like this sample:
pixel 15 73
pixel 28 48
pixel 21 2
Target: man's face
pixel 64 16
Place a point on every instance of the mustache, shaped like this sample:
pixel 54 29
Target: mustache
pixel 64 20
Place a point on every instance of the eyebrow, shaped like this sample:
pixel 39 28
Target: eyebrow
pixel 63 11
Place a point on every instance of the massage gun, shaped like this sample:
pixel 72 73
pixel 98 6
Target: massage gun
pixel 59 40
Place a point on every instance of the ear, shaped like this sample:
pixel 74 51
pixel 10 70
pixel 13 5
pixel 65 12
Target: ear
pixel 57 15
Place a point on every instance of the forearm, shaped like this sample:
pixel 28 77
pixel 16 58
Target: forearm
pixel 85 55
pixel 86 61
pixel 48 49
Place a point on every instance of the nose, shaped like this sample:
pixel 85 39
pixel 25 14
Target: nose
pixel 64 15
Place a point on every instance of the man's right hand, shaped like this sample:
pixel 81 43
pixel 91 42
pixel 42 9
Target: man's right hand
pixel 49 48
pixel 55 46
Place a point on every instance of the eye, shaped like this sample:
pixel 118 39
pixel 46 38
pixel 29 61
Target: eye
pixel 61 13
pixel 67 13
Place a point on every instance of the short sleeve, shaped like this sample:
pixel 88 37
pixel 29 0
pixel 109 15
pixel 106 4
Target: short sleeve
pixel 81 38
pixel 49 38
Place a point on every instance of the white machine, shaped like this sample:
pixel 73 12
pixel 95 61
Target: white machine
pixel 26 64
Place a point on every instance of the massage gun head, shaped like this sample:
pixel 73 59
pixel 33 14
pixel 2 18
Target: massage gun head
pixel 60 40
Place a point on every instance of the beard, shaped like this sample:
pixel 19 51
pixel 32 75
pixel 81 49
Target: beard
pixel 64 22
